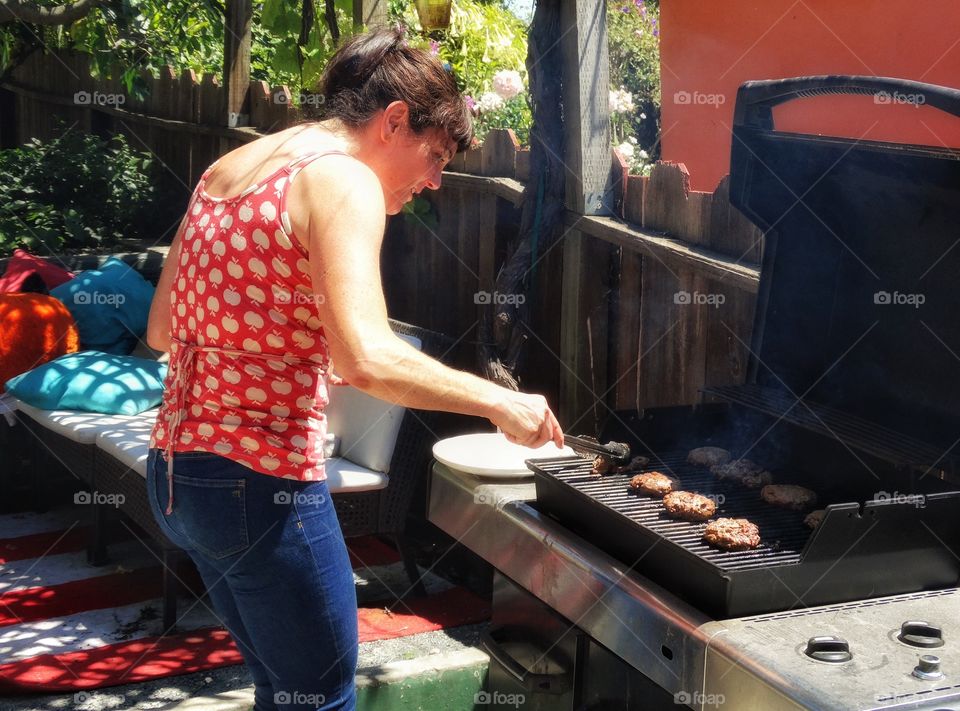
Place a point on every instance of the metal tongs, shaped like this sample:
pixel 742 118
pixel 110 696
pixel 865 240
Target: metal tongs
pixel 616 452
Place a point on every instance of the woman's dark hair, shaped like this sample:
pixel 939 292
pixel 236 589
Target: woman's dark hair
pixel 373 69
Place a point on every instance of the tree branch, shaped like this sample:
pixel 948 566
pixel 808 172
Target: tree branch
pixel 13 10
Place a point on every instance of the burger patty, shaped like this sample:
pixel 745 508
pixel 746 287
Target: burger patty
pixel 744 472
pixel 732 534
pixel 653 483
pixel 814 518
pixel 708 456
pixel 689 506
pixel 601 465
pixel 789 496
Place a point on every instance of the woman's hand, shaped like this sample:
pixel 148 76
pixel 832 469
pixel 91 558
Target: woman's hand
pixel 527 420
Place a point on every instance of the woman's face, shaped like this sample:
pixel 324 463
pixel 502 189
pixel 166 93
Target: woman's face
pixel 416 164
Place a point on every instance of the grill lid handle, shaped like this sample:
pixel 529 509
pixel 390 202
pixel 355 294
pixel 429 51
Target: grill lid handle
pixel 756 99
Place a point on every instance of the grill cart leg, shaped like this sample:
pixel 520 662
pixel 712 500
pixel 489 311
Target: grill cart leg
pixel 410 565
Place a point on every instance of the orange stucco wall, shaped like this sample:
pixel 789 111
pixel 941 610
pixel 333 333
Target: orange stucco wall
pixel 709 47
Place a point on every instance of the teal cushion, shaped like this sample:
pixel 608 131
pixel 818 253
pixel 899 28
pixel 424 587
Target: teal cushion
pixel 110 305
pixel 92 381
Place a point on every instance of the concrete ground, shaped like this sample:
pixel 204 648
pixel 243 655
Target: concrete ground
pixel 230 688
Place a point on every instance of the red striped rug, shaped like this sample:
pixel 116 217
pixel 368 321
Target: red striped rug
pixel 66 625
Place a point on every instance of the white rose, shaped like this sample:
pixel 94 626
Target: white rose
pixel 507 84
pixel 626 149
pixel 490 102
pixel 621 101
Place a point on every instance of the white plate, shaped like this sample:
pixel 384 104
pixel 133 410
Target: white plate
pixel 490 454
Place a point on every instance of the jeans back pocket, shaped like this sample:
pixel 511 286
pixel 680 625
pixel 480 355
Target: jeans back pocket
pixel 211 513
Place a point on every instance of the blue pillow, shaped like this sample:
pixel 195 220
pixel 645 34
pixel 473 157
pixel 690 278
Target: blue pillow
pixel 92 381
pixel 110 305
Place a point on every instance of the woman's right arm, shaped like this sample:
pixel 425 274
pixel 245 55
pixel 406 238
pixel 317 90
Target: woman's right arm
pixel 345 236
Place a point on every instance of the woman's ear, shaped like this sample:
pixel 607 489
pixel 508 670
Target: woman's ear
pixel 394 120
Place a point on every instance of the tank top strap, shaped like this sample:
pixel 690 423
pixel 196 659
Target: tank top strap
pixel 298 164
pixel 206 173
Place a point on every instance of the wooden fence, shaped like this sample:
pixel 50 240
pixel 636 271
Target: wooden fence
pixel 666 306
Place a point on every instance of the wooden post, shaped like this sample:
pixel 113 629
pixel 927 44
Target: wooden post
pixel 583 29
pixel 586 262
pixel 372 13
pixel 236 61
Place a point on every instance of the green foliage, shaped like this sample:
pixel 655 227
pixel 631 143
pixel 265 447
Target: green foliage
pixel 483 39
pixel 128 36
pixel 634 47
pixel 77 191
pixel 276 37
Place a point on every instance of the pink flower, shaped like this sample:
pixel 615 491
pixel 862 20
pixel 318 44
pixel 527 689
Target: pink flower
pixel 471 104
pixel 434 48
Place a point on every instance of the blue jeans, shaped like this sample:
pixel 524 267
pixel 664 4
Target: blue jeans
pixel 272 556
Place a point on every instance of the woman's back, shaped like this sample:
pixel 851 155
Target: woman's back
pixel 248 359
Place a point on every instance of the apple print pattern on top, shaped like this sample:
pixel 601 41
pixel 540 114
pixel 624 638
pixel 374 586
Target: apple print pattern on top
pixel 249 365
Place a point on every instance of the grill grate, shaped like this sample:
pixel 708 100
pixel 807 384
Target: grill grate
pixel 782 533
pixel 858 433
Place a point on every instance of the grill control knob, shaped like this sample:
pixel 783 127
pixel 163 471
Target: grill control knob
pixel 928 668
pixel 917 633
pixel 831 649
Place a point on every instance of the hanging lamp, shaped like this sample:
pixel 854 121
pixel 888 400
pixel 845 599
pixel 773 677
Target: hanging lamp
pixel 434 14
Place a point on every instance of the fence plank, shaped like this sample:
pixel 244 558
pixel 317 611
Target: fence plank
pixel 259 103
pixel 633 200
pixel 499 155
pixel 731 232
pixel 626 331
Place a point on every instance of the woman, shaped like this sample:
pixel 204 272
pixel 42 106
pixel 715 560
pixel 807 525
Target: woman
pixel 273 276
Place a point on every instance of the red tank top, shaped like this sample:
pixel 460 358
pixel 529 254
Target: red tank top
pixel 249 364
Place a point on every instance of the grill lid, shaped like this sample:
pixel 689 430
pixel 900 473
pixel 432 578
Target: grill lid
pixel 858 292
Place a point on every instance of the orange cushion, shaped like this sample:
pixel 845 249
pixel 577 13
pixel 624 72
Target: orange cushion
pixel 34 329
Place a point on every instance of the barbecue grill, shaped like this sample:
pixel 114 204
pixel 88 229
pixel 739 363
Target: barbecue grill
pixel 852 391
pixel 853 380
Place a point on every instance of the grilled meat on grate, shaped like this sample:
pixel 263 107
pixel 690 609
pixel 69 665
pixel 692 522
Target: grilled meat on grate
pixel 689 506
pixel 789 496
pixel 708 456
pixel 732 534
pixel 653 483
pixel 814 518
pixel 744 472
